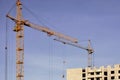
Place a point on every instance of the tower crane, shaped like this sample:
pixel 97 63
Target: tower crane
pixel 19 29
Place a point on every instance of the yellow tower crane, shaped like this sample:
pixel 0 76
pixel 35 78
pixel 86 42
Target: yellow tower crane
pixel 19 29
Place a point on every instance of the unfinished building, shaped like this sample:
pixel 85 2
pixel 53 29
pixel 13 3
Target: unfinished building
pixel 101 73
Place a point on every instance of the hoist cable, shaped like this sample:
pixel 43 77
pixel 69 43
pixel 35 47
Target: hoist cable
pixel 6 50
pixel 51 54
pixel 93 60
pixel 64 62
pixel 50 65
pixel 52 62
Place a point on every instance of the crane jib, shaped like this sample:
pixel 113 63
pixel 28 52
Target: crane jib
pixel 44 29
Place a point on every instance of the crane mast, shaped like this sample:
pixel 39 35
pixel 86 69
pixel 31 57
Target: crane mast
pixel 19 29
pixel 90 51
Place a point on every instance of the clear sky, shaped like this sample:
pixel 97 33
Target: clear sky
pixel 97 20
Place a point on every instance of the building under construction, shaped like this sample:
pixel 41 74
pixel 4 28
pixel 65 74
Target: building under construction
pixel 101 73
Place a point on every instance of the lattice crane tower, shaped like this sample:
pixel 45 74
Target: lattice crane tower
pixel 19 29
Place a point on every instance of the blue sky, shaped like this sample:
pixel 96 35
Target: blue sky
pixel 97 20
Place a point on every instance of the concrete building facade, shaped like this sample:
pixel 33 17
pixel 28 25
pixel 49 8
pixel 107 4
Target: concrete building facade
pixel 101 73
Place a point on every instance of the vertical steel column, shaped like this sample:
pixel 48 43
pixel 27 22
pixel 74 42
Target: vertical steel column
pixel 90 51
pixel 19 29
